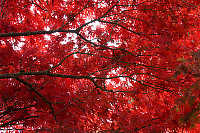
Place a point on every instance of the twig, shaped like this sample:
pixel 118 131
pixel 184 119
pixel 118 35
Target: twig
pixel 28 33
pixel 31 88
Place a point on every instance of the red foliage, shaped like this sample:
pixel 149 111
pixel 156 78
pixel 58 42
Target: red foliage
pixel 100 66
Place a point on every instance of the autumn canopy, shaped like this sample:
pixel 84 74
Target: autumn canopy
pixel 115 66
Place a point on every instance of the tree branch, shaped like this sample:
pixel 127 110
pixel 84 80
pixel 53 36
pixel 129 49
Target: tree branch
pixel 31 88
pixel 16 120
pixel 28 33
pixel 9 110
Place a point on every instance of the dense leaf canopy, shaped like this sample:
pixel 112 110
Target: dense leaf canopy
pixel 100 66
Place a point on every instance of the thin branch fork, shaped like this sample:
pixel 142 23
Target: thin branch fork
pixel 31 88
pixel 17 120
pixel 47 73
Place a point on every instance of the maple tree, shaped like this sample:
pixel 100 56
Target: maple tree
pixel 100 65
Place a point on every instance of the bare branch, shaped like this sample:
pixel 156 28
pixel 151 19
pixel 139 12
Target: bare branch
pixel 12 122
pixel 28 33
pixel 8 110
pixel 31 88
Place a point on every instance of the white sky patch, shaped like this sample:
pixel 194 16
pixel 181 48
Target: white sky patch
pixel 2 42
pixel 38 12
pixel 56 34
pixel 65 0
pixel 12 129
pixel 47 28
pixel 19 46
pixel 86 32
pixel 124 82
pixel 129 84
pixel 32 8
pixel 94 40
pixel 64 16
pixel 9 130
pixel 47 37
pixel 109 120
pixel 113 72
pixel 70 37
pixel 88 19
pixel 114 44
pixel 46 46
pixel 34 58
pixel 102 4
pixel 20 19
pixel 86 47
pixel 134 77
pixel 66 40
pixel 75 47
pixel 22 39
pixel 96 24
pixel 56 16
pixel 123 9
pixel 122 79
